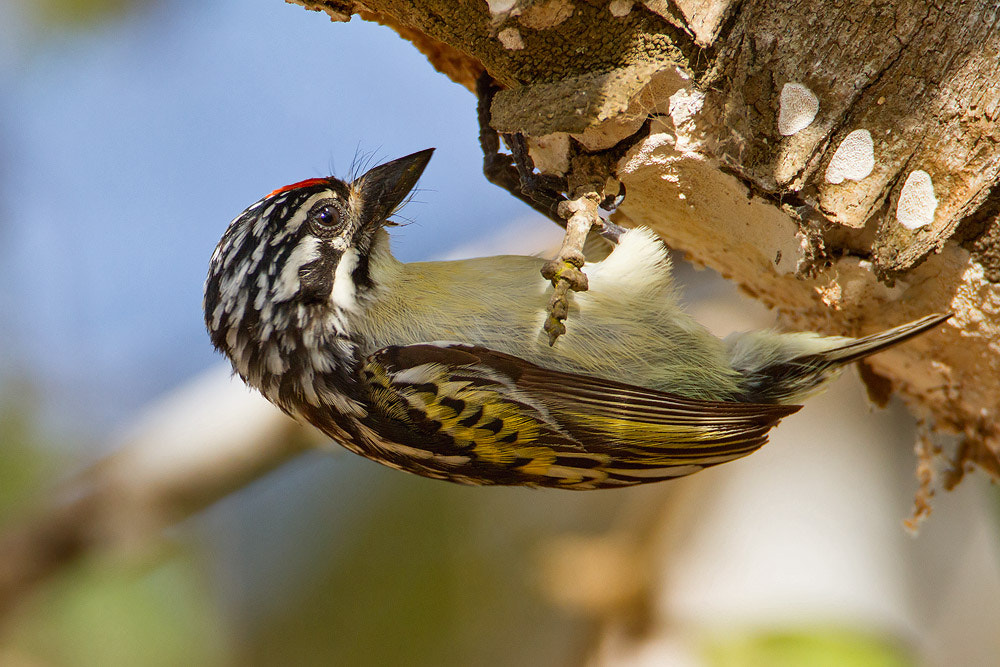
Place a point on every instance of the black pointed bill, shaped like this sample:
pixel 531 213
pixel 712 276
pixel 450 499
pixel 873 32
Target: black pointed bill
pixel 383 188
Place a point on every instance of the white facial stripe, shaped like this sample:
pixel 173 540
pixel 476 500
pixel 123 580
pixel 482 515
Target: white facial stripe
pixel 287 283
pixel 344 294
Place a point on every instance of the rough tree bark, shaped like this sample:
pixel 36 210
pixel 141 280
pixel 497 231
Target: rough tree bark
pixel 838 161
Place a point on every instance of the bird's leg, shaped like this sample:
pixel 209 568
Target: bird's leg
pixel 565 270
pixel 587 177
pixel 514 173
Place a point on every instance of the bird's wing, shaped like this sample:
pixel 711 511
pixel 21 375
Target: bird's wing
pixel 478 416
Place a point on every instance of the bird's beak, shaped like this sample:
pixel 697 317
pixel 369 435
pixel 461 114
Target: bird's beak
pixel 383 188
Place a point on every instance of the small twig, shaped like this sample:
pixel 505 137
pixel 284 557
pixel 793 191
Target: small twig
pixel 925 451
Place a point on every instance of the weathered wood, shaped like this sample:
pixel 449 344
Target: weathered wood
pixel 920 79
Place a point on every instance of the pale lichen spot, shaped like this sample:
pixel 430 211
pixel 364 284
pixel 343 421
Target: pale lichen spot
pixel 797 108
pixel 498 7
pixel 620 8
pixel 917 203
pixel 544 15
pixel 854 159
pixel 685 104
pixel 511 39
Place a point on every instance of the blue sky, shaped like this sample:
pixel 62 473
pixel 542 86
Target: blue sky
pixel 127 149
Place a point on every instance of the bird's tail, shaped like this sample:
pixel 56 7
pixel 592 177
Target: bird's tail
pixel 786 368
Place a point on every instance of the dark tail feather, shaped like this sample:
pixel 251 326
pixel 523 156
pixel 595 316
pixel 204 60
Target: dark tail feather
pixel 862 347
pixel 792 379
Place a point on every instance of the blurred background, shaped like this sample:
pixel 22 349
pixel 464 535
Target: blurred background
pixel 132 131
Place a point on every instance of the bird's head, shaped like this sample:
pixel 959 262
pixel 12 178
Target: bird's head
pixel 301 253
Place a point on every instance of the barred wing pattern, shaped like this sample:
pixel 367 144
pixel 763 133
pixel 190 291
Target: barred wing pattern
pixel 473 415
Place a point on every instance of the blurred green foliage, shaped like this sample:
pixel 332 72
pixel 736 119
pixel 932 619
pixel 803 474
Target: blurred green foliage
pixel 24 462
pixel 818 647
pixel 78 14
pixel 431 574
pixel 106 611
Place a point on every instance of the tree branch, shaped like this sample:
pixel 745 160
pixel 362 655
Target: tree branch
pixel 206 441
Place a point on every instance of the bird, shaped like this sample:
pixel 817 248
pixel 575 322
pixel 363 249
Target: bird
pixel 442 369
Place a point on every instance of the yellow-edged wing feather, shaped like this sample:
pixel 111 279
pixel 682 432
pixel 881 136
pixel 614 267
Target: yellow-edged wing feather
pixel 484 417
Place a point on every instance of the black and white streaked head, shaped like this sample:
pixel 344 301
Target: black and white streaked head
pixel 288 272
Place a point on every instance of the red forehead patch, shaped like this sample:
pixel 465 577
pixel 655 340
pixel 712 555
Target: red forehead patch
pixel 301 184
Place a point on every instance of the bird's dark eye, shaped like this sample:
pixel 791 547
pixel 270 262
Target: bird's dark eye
pixel 325 216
